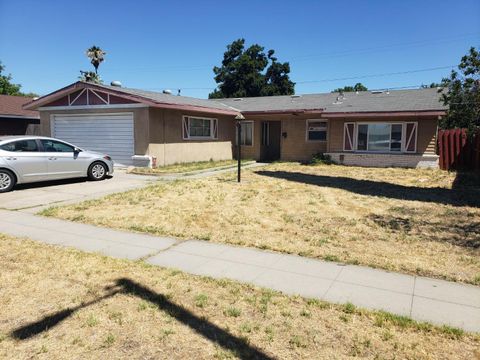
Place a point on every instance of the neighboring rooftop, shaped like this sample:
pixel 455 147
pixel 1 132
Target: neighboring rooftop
pixel 363 101
pixel 12 106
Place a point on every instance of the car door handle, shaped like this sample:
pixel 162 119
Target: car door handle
pixel 11 158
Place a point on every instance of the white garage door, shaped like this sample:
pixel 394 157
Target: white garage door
pixel 109 134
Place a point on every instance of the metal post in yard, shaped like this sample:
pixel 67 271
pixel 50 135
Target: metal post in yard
pixel 239 119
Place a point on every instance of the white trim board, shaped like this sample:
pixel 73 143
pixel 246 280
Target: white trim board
pixel 93 107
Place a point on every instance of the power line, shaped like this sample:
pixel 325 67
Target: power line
pixel 377 75
pixel 389 46
pixel 331 80
pixel 366 50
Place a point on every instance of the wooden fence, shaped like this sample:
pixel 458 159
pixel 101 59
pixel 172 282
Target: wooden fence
pixel 458 151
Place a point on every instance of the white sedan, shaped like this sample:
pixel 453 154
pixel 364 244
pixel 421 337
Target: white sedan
pixel 25 159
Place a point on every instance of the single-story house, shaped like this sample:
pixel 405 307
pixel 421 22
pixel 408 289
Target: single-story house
pixel 369 128
pixel 14 120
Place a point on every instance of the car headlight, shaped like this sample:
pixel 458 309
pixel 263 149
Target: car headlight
pixel 106 157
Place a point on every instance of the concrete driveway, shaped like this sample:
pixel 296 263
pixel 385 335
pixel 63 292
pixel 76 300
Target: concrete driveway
pixel 34 197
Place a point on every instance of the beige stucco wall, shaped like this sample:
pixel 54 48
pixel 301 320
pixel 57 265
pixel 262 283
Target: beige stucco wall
pixel 140 119
pixel 169 147
pixel 158 132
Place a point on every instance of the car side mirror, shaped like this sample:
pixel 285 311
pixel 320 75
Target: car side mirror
pixel 77 150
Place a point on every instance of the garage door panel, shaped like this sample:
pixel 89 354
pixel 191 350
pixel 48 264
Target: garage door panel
pixel 110 134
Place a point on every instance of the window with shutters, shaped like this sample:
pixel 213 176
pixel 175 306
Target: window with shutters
pixel 380 137
pixel 199 128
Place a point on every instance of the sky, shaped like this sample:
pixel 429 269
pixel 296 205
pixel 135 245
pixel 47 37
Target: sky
pixel 156 45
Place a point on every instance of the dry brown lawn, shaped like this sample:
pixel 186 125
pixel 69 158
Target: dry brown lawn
pixel 64 304
pixel 406 220
pixel 185 167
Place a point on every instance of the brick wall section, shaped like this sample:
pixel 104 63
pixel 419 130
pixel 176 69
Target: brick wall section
pixel 296 147
pixel 292 148
pixel 386 160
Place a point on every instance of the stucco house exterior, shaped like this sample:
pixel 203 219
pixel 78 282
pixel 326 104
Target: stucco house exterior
pixel 380 128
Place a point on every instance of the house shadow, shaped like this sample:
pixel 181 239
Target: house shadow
pixel 201 326
pixel 458 196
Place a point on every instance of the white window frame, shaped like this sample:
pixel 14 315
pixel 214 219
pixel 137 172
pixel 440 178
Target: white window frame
pixel 353 140
pixel 415 139
pixel 307 131
pixel 403 149
pixel 253 132
pixel 186 128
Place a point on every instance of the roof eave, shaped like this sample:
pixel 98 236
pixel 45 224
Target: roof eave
pixel 35 104
pixel 385 113
pixel 20 117
pixel 280 112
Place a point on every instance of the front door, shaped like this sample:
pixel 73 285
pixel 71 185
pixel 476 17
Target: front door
pixel 271 134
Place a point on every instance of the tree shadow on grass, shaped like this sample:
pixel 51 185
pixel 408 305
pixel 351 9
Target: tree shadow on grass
pixel 210 331
pixel 466 196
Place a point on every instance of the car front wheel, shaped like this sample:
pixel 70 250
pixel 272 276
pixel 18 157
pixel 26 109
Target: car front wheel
pixel 97 171
pixel 7 180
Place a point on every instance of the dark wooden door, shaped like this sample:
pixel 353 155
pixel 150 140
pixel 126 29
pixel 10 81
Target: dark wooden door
pixel 271 135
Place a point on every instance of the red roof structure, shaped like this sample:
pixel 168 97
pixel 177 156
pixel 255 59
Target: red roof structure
pixel 12 106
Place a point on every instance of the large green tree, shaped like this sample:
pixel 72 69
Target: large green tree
pixel 356 87
pixel 249 72
pixel 462 94
pixel 9 88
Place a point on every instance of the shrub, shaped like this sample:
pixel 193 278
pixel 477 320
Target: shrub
pixel 321 158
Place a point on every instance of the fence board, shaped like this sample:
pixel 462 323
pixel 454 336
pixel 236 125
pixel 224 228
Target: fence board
pixel 458 151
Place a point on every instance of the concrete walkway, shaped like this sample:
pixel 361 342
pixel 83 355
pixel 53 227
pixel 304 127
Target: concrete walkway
pixel 36 196
pixel 435 301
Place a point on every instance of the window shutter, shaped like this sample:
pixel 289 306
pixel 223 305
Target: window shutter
pixel 348 133
pixel 411 137
pixel 185 127
pixel 215 128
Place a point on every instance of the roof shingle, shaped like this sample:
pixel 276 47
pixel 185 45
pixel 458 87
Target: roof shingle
pixel 12 105
pixel 364 101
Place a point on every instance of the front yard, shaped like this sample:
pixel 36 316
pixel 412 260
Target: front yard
pixel 187 167
pixel 405 220
pixel 65 304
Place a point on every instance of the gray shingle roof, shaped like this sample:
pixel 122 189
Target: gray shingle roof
pixel 364 101
pixel 169 99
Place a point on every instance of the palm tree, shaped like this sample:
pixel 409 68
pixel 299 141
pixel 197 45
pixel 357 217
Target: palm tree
pixel 96 55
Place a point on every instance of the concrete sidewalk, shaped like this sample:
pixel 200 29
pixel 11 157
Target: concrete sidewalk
pixel 436 301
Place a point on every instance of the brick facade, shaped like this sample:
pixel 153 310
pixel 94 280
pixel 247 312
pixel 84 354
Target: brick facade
pixel 385 160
